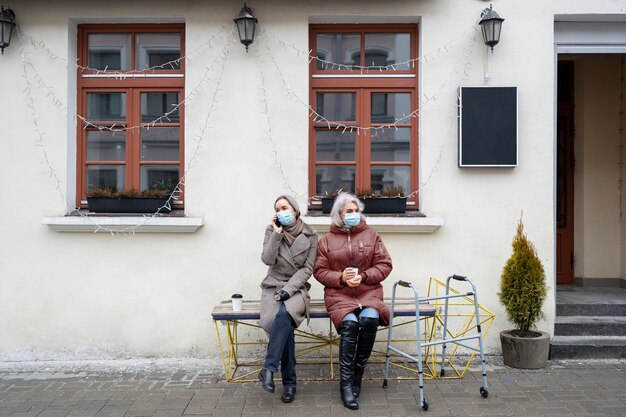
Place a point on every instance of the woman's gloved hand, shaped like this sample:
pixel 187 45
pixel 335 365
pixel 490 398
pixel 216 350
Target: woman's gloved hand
pixel 281 295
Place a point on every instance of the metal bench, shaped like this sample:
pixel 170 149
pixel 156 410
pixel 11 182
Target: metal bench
pixel 239 370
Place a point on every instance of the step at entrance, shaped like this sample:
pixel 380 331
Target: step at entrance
pixel 590 323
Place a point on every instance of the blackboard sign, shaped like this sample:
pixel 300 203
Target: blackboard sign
pixel 487 126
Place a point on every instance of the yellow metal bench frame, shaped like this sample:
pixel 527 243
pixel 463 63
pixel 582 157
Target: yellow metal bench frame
pixel 228 323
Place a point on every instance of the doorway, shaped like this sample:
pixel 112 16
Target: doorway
pixel 565 173
pixel 590 156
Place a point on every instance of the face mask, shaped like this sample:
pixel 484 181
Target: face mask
pixel 285 217
pixel 352 219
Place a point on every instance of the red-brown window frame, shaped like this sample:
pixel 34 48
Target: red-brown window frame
pixel 133 86
pixel 364 87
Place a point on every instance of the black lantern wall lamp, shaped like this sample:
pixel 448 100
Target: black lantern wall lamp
pixel 246 24
pixel 491 25
pixel 7 21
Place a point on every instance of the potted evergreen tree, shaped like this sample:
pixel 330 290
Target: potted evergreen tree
pixel 522 293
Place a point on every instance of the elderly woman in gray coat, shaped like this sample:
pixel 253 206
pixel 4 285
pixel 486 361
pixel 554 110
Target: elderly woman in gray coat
pixel 290 250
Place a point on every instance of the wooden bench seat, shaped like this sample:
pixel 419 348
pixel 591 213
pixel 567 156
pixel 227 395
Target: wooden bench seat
pixel 250 310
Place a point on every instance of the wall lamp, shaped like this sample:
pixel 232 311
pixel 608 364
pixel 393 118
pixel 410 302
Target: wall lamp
pixel 246 24
pixel 491 25
pixel 7 21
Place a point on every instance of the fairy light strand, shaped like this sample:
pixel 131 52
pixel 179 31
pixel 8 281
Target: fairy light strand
pixel 270 137
pixel 121 73
pixel 367 68
pixel 424 103
pixel 425 99
pixel 224 52
pixel 115 128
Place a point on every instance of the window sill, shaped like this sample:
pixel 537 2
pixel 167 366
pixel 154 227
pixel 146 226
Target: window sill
pixel 384 224
pixel 123 224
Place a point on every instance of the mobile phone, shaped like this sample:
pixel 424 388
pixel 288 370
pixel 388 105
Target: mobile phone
pixel 277 223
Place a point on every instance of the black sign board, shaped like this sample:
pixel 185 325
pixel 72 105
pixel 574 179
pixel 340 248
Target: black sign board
pixel 487 126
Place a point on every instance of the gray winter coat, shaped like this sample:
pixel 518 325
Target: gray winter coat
pixel 289 269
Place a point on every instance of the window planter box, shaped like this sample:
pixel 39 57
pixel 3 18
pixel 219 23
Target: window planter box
pixel 373 205
pixel 127 205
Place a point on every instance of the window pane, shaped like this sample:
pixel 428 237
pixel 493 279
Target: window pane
pixel 109 50
pixel 391 107
pixel 157 105
pixel 391 145
pixel 334 145
pixel 332 178
pixel 382 49
pixel 106 146
pixel 383 177
pixel 160 177
pixel 338 48
pixel 154 49
pixel 105 176
pixel 337 106
pixel 106 106
pixel 160 144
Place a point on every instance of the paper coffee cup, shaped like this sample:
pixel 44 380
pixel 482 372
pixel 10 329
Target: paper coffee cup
pixel 355 269
pixel 236 299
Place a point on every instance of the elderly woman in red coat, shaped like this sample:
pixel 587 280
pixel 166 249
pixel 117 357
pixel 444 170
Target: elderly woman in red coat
pixel 351 263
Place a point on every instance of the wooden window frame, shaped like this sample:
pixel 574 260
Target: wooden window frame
pixel 133 83
pixel 363 83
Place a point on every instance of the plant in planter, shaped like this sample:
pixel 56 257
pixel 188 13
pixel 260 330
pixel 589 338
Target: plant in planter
pixel 389 200
pixel 522 292
pixel 130 200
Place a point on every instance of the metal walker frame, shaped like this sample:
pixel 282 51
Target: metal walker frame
pixel 484 389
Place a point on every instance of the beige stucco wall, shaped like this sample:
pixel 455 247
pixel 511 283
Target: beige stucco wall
pixel 599 229
pixel 84 295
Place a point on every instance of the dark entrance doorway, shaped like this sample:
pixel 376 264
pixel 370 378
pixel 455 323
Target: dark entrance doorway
pixel 565 174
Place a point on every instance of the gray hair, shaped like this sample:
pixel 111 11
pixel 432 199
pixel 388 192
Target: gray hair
pixel 292 201
pixel 340 203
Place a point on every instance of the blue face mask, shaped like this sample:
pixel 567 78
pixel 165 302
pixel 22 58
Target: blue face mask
pixel 285 217
pixel 352 219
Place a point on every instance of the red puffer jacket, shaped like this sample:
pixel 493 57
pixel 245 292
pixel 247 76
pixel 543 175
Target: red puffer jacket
pixel 357 246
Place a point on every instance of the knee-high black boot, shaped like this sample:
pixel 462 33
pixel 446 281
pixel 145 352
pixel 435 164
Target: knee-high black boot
pixel 367 337
pixel 347 348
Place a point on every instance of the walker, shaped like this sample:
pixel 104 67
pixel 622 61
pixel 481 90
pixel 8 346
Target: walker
pixel 423 402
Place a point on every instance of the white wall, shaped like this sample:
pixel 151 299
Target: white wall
pixel 83 295
pixel 598 240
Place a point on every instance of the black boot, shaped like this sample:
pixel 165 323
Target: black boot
pixel 367 337
pixel 347 348
pixel 267 380
pixel 288 394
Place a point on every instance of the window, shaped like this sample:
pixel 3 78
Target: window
pixel 364 91
pixel 130 126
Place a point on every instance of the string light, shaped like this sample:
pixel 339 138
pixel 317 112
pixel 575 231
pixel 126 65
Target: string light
pixel 316 117
pixel 177 190
pixel 114 128
pixel 119 73
pixel 366 68
pixel 224 52
pixel 277 162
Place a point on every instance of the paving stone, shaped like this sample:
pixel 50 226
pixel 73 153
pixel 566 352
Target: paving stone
pixel 564 389
pixel 169 413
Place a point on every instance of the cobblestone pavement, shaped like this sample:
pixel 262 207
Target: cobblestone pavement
pixel 564 388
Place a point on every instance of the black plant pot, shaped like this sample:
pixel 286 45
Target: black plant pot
pixel 383 205
pixel 127 205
